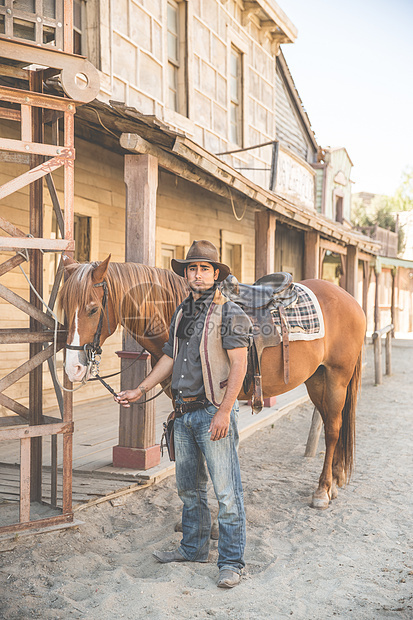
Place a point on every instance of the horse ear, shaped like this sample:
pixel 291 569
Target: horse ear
pixel 67 261
pixel 99 272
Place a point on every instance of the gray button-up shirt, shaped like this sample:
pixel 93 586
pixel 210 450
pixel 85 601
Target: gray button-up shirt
pixel 187 379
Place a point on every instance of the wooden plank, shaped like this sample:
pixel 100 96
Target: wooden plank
pixel 26 307
pixel 35 148
pixel 10 115
pixel 27 367
pixel 25 450
pixel 50 245
pixel 40 100
pixel 24 335
pixel 53 481
pixel 67 471
pixel 38 524
pixel 333 247
pixel 14 158
pixel 13 405
pixel 26 124
pixel 10 228
pixel 11 263
pixel 265 223
pixel 31 175
pixel 41 430
pixel 56 204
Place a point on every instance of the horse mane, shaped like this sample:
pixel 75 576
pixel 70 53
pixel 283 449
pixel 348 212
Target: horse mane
pixel 143 298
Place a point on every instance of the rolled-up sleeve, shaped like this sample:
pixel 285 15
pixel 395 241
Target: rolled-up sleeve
pixel 168 347
pixel 236 327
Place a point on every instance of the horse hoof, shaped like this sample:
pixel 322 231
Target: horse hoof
pixel 333 491
pixel 320 500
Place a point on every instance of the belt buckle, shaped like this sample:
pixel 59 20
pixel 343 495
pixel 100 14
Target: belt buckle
pixel 178 409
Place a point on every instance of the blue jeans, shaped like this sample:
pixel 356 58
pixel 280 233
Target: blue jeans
pixel 195 453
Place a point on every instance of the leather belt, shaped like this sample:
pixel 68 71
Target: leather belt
pixel 188 406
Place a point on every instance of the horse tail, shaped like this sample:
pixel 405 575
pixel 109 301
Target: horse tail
pixel 347 438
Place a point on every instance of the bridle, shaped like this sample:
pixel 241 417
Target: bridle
pixel 93 350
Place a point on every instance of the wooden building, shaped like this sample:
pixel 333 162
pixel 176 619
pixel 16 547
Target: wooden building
pixel 197 108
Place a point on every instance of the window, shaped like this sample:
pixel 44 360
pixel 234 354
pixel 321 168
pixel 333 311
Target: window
pixel 232 257
pixel 232 253
pixel 168 252
pixel 20 19
pixel 339 209
pixel 81 233
pixel 235 131
pixel 165 250
pixel 79 14
pixel 176 46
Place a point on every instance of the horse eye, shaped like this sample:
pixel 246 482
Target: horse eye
pixel 93 311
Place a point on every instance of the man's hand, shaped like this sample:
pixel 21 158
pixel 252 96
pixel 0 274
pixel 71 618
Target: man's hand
pixel 128 396
pixel 159 373
pixel 219 425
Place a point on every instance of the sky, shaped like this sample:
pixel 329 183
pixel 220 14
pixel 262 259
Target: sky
pixel 352 64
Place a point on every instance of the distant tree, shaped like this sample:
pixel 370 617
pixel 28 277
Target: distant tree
pixel 382 210
pixel 403 196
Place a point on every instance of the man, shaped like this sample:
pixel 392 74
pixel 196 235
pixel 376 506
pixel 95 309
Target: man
pixel 207 356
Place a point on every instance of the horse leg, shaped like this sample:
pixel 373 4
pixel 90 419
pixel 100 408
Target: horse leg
pixel 328 394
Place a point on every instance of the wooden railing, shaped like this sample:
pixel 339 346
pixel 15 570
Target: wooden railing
pixel 376 337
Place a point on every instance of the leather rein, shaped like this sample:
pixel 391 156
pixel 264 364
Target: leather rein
pixel 93 350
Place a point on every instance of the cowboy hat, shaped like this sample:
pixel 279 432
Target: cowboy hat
pixel 201 251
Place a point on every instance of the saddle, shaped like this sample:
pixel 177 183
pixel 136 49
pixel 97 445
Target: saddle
pixel 271 293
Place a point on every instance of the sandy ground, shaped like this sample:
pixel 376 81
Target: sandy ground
pixel 353 560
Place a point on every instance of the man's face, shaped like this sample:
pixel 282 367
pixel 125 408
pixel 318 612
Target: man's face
pixel 201 276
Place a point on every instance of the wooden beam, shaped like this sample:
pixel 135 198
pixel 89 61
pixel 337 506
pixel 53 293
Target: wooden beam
pixel 31 243
pixel 11 263
pixel 336 248
pixel 41 430
pixel 32 175
pixel 13 405
pixel 25 368
pixel 137 423
pixel 311 255
pixel 23 335
pixel 265 223
pixel 190 161
pixel 26 307
pixel 352 270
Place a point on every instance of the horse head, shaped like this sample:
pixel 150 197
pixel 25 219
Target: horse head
pixel 89 313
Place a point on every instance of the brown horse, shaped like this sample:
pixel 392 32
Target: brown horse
pixel 143 300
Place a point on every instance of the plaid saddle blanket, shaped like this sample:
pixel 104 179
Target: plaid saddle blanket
pixel 304 316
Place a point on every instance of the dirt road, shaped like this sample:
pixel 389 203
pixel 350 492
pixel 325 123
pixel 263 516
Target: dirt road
pixel 353 560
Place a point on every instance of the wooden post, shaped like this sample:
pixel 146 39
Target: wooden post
pixel 352 270
pixel 311 254
pixel 377 361
pixel 393 297
pixel 389 337
pixel 36 278
pixel 137 448
pixel 376 303
pixel 265 223
pixel 366 270
pixel 314 434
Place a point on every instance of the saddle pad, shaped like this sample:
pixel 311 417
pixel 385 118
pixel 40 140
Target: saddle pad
pixel 304 317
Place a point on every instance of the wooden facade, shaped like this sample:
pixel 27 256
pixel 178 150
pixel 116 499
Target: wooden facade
pixel 196 192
